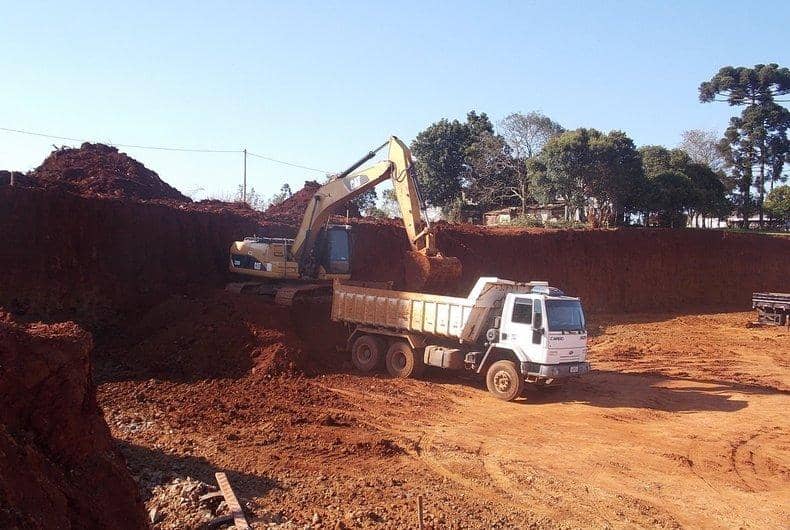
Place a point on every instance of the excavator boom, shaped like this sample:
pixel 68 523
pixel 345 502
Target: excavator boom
pixel 425 267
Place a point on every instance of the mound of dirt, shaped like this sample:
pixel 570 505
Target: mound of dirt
pixel 294 207
pixel 214 335
pixel 98 170
pixel 58 464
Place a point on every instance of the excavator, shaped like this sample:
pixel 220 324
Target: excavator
pixel 321 252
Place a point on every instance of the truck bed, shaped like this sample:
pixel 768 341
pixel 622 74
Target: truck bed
pixel 400 310
pixel 464 319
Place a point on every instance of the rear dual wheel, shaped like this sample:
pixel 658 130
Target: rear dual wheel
pixel 402 361
pixel 367 353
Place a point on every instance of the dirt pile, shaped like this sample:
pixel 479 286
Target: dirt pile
pixel 98 170
pixel 294 207
pixel 211 335
pixel 58 464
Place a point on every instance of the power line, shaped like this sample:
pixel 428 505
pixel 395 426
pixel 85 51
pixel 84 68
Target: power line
pixel 167 148
pixel 159 148
pixel 288 163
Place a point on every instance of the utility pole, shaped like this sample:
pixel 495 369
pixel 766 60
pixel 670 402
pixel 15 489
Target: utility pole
pixel 244 186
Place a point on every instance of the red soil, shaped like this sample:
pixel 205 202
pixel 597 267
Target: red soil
pixel 97 170
pixel 211 335
pixel 58 464
pixel 294 207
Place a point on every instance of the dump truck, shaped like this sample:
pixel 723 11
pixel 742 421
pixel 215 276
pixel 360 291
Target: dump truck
pixel 512 333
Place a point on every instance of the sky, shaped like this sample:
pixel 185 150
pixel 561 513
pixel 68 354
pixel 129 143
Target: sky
pixel 320 84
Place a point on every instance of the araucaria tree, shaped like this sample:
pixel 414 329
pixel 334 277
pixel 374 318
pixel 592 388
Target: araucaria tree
pixel 758 137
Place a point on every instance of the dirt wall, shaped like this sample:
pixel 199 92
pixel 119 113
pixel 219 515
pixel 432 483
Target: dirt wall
pixel 66 257
pixel 58 464
pixel 631 269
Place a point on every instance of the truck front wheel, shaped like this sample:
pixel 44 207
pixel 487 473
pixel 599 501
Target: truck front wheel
pixel 504 381
pixel 402 361
pixel 366 353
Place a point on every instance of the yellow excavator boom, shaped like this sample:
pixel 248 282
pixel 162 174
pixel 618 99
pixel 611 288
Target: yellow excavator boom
pixel 425 266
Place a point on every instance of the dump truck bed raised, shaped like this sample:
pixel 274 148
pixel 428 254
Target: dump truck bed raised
pixel 463 319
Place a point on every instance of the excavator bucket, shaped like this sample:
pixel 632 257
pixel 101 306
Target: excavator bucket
pixel 439 274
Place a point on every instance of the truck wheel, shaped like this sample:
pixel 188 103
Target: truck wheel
pixel 504 381
pixel 366 353
pixel 402 361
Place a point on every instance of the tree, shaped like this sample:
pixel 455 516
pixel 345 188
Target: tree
pixel 389 203
pixel 777 203
pixel 526 134
pixel 280 196
pixel 670 194
pixel 363 202
pixel 254 200
pixel 492 175
pixel 746 86
pixel 658 159
pixel 703 147
pixel 593 171
pixel 440 152
pixel 709 194
pixel 706 196
pixel 747 138
pixel 515 152
pixel 778 150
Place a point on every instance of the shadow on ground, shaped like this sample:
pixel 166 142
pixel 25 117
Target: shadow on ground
pixel 146 461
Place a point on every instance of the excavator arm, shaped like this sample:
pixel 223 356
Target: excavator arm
pixel 425 266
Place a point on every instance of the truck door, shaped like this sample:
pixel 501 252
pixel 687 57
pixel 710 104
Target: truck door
pixel 517 326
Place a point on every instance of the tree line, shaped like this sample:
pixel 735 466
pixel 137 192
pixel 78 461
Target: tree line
pixel 602 178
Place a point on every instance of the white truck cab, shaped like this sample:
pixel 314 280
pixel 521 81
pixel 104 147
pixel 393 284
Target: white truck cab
pixel 547 333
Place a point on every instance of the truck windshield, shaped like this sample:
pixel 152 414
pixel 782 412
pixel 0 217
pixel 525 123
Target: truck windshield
pixel 565 315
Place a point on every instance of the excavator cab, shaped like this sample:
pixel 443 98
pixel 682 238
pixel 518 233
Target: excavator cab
pixel 334 250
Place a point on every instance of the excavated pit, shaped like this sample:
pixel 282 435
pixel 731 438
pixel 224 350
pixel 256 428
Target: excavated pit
pixel 142 268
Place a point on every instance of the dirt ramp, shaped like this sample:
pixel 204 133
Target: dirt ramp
pixel 211 335
pixel 58 465
pixel 98 170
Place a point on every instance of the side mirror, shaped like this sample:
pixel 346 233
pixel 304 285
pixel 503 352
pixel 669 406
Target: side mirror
pixel 537 334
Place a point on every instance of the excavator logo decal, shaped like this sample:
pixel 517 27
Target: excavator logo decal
pixel 354 181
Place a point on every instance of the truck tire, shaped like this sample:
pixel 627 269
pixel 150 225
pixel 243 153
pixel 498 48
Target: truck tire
pixel 504 381
pixel 367 352
pixel 402 361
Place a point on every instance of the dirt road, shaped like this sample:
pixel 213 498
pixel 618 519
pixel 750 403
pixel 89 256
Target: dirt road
pixel 682 424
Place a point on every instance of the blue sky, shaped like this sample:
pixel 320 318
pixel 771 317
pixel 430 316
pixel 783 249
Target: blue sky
pixel 320 84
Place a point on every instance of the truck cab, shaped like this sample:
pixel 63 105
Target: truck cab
pixel 546 331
